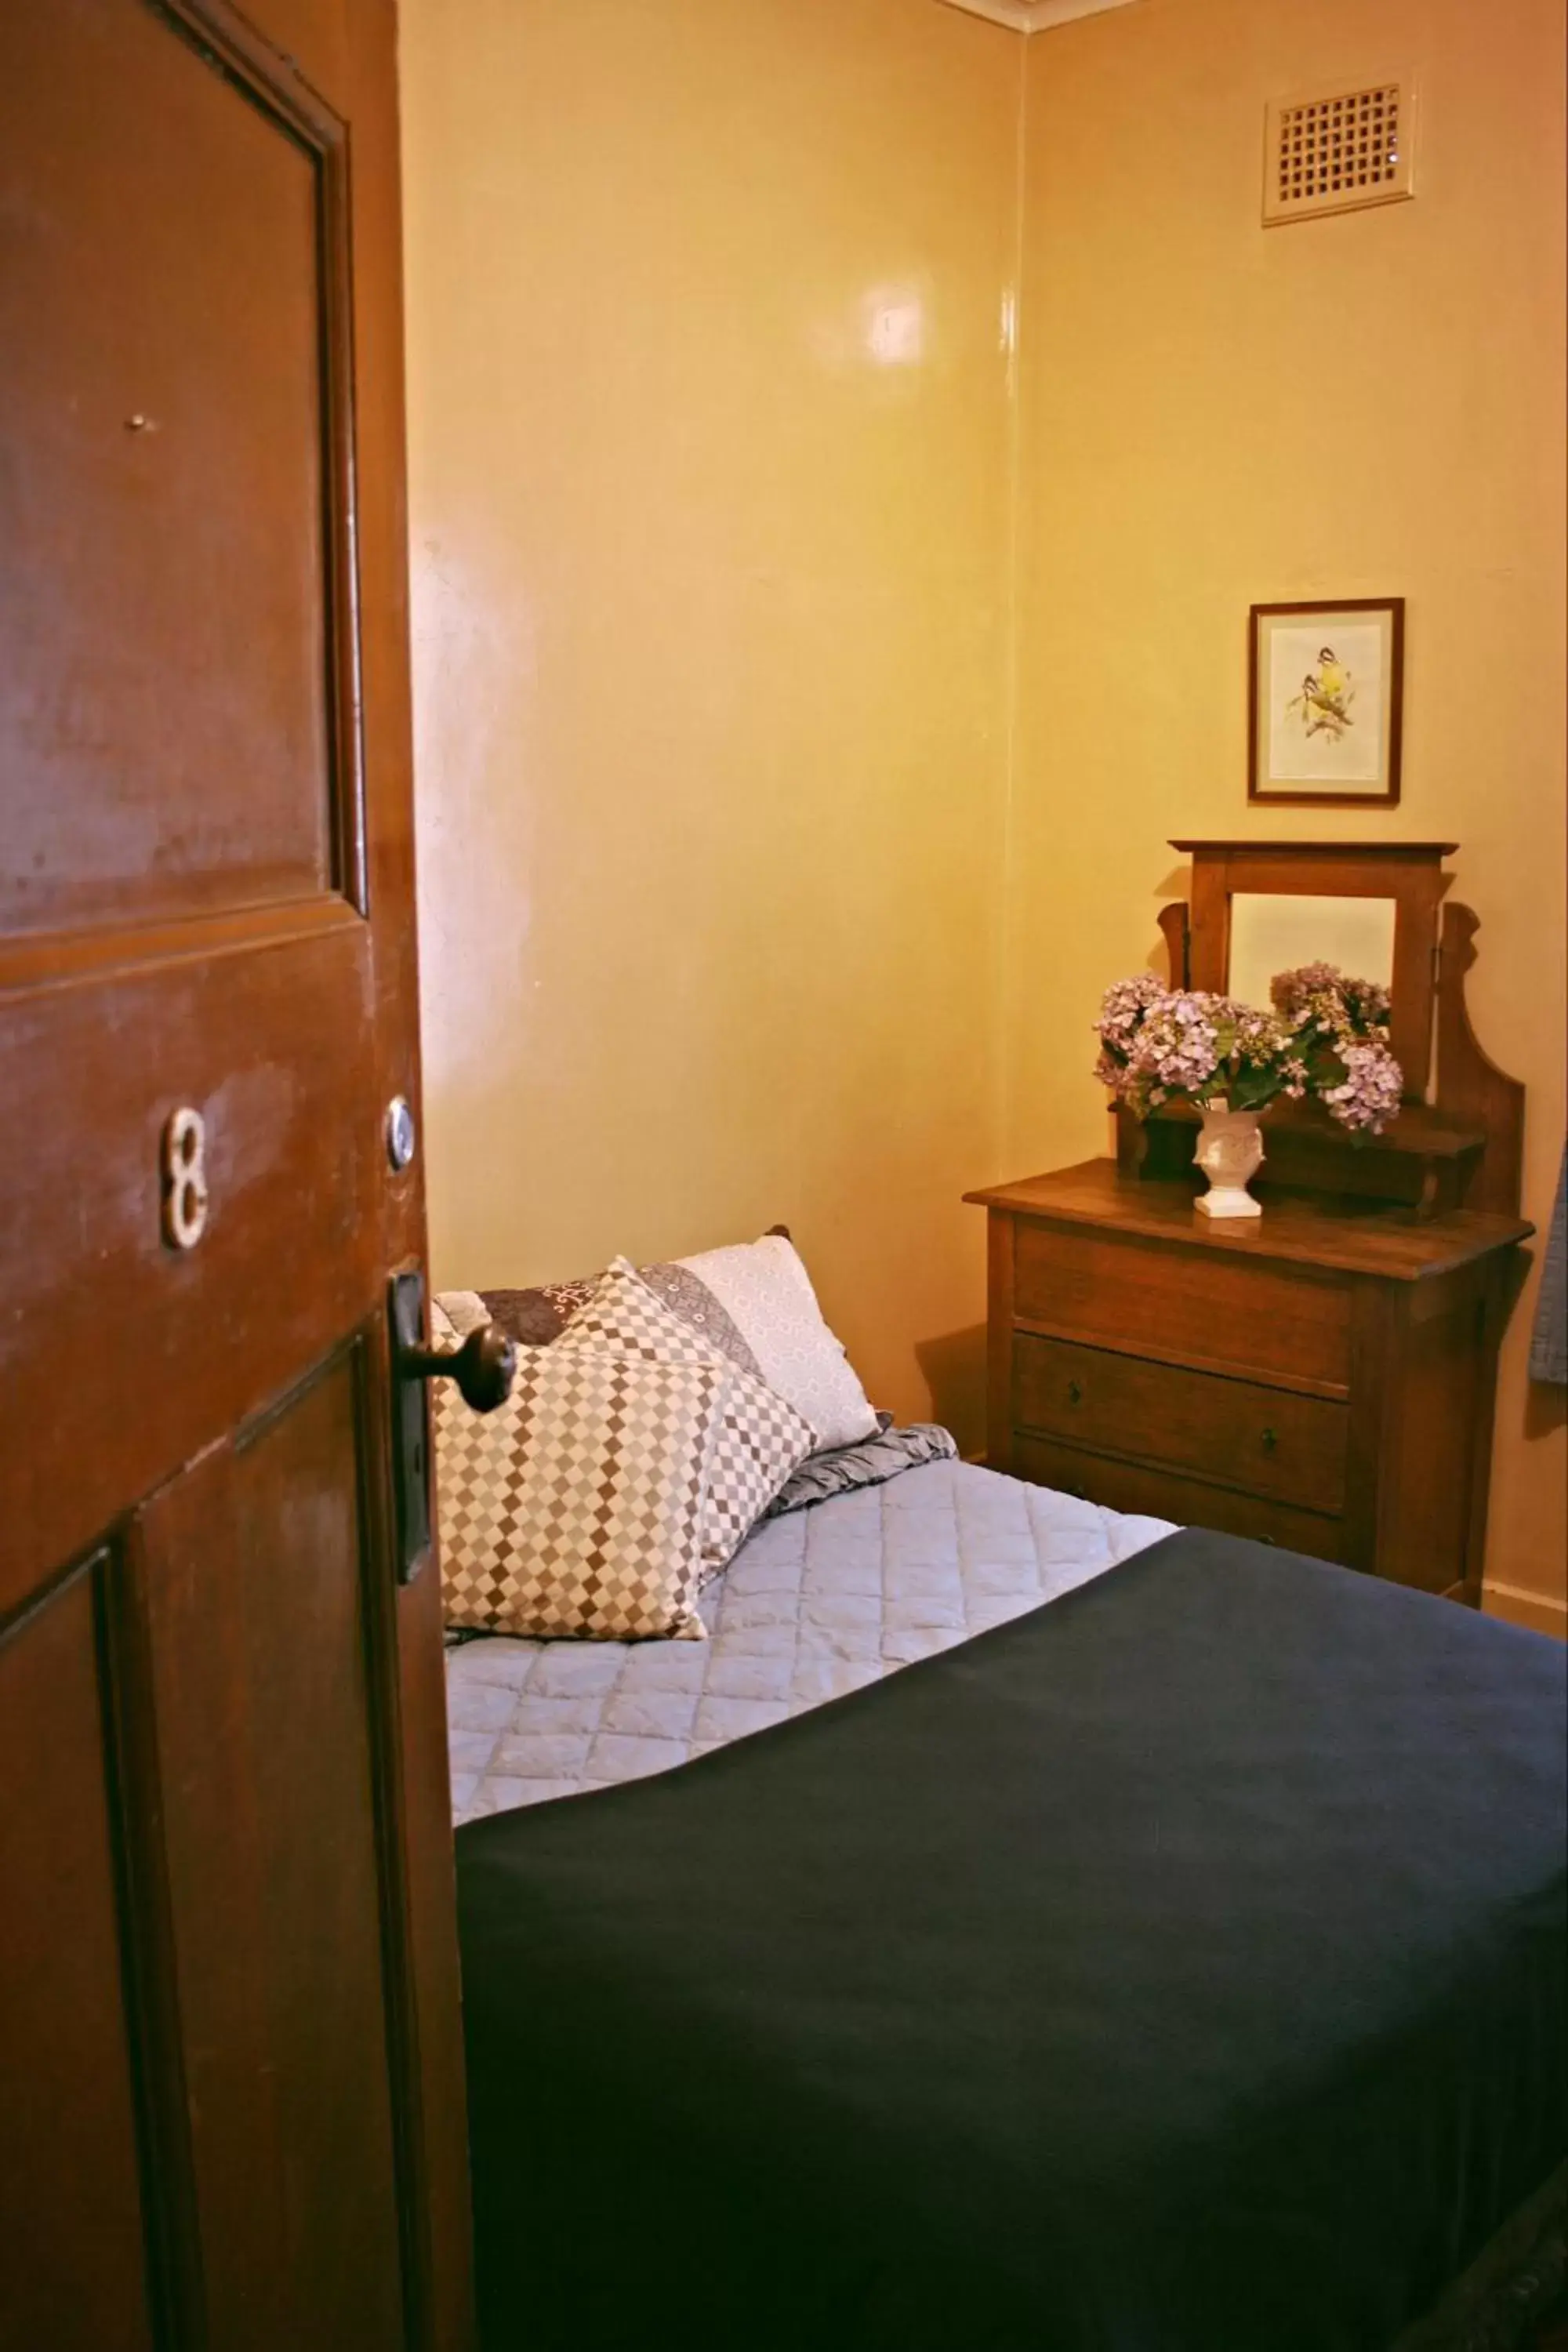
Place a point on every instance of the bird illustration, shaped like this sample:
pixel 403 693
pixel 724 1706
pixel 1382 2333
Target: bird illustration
pixel 1326 695
pixel 1331 679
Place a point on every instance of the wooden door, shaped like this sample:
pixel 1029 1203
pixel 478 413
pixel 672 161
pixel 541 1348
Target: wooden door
pixel 231 2089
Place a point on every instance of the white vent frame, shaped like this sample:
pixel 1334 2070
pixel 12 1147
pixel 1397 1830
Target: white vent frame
pixel 1338 150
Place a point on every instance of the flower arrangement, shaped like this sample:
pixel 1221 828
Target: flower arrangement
pixel 1323 1035
pixel 1342 1029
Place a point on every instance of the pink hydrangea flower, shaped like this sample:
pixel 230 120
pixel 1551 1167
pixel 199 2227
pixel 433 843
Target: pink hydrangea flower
pixel 1324 1035
pixel 1368 1095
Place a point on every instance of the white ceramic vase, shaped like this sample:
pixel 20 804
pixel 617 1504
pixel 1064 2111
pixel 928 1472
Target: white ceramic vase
pixel 1230 1152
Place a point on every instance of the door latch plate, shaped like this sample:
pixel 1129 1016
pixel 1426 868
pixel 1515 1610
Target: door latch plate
pixel 410 1427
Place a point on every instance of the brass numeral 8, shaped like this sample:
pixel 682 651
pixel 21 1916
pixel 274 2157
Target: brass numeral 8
pixel 185 1154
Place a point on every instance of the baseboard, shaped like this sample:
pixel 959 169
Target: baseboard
pixel 1538 1611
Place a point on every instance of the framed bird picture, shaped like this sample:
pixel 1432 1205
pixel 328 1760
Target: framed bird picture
pixel 1327 684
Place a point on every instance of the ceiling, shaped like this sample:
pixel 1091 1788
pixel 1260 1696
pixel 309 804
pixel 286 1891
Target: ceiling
pixel 1035 16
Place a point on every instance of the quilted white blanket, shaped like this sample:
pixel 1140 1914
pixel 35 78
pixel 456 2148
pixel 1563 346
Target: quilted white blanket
pixel 813 1605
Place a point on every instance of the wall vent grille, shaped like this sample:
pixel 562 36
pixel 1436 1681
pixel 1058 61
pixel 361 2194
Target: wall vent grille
pixel 1338 151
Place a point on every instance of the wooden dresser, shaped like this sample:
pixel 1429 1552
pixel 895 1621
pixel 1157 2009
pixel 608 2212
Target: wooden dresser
pixel 1323 1379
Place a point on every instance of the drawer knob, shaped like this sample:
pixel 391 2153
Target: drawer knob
pixel 1075 1394
pixel 1269 1441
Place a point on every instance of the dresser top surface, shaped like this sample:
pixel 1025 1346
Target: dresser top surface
pixel 1293 1229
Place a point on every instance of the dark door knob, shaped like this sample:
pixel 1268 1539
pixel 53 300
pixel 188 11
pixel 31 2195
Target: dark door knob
pixel 484 1367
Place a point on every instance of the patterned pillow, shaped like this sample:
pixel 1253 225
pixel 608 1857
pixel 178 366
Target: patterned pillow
pixel 761 1437
pixel 578 1507
pixel 536 1318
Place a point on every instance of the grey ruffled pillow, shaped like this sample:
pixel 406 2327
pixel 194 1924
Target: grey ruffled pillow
pixel 841 1468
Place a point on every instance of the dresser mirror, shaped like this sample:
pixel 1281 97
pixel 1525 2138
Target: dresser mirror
pixel 1380 911
pixel 1269 935
pixel 1259 896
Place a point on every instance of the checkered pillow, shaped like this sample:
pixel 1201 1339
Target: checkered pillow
pixel 578 1506
pixel 760 1438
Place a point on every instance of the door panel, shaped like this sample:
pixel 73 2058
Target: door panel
pixel 97 1303
pixel 232 2111
pixel 70 2194
pixel 175 414
pixel 273 1853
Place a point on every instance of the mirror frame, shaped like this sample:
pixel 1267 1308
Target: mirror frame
pixel 1408 872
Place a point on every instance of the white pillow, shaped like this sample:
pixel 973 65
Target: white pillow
pixel 766 1292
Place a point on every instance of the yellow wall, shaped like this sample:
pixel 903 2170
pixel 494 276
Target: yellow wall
pixel 1214 414
pixel 749 889
pixel 709 491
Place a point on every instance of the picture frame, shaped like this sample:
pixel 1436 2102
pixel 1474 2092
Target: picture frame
pixel 1326 702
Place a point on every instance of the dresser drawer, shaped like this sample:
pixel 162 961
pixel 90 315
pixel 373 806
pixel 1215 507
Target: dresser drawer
pixel 1204 1305
pixel 1267 1442
pixel 1163 1495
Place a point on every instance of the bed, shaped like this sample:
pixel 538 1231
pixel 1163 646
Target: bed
pixel 915 1550
pixel 1016 1926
